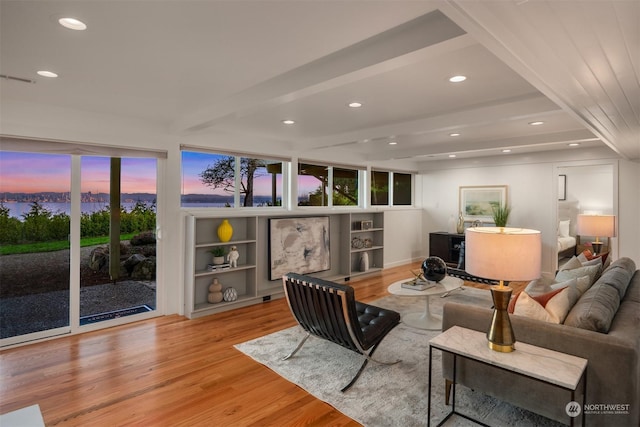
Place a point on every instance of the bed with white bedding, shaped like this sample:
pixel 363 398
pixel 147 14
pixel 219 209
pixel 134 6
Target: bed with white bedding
pixel 567 218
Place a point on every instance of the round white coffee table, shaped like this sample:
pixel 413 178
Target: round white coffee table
pixel 425 319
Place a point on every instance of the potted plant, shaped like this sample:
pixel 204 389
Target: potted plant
pixel 501 215
pixel 218 255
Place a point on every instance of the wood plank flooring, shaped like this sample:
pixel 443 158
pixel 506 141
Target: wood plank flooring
pixel 170 371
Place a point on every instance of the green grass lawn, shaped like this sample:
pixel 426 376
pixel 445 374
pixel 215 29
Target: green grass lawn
pixel 28 248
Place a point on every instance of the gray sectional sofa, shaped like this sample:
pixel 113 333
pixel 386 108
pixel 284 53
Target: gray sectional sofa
pixel 605 331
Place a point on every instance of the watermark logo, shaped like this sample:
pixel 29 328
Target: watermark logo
pixel 573 409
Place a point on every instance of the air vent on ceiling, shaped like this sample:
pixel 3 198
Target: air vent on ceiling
pixel 18 79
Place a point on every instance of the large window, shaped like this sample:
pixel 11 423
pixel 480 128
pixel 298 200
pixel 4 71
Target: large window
pixel 379 188
pixel 322 185
pixel 222 180
pixel 401 190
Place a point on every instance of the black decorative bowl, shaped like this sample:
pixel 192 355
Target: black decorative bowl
pixel 434 269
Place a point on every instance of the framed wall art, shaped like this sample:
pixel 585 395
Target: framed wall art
pixel 477 202
pixel 562 187
pixel 298 245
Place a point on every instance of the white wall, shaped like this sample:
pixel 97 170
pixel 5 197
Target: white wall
pixel 404 239
pixel 592 186
pixel 532 194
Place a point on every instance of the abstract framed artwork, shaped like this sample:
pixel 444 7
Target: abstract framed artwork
pixel 298 245
pixel 562 187
pixel 478 202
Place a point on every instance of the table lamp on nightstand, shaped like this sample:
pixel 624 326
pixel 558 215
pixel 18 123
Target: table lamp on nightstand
pixel 504 254
pixel 598 226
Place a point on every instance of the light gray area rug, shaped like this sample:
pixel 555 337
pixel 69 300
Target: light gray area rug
pixel 386 395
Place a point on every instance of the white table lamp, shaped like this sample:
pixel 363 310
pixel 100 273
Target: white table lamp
pixel 598 226
pixel 504 254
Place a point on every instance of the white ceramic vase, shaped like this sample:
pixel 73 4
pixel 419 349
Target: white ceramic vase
pixel 364 261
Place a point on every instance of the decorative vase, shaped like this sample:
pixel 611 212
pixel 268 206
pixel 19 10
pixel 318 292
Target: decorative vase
pixel 364 261
pixel 434 269
pixel 230 294
pixel 460 224
pixel 225 231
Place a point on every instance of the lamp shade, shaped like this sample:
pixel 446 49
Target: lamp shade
pixel 503 253
pixel 596 225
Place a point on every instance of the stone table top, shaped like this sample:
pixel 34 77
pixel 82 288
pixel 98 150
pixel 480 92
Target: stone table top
pixel 547 365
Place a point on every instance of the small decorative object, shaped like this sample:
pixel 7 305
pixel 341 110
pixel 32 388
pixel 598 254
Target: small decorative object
pixel 434 269
pixel 225 231
pixel 357 243
pixel 460 224
pixel 215 292
pixel 218 255
pixel 230 294
pixel 364 261
pixel 233 256
pixel 366 225
pixel 368 243
pixel 501 215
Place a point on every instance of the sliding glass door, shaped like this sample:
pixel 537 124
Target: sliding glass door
pixel 77 242
pixel 118 262
pixel 35 191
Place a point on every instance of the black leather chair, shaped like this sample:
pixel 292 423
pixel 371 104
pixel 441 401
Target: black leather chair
pixel 329 311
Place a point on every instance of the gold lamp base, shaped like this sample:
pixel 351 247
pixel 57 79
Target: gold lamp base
pixel 500 335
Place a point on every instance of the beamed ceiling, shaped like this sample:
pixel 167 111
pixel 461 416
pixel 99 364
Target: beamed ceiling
pixel 229 72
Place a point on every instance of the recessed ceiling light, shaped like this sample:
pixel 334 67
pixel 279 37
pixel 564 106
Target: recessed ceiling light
pixel 536 123
pixel 452 156
pixel 355 104
pixel 393 143
pixel 45 73
pixel 288 122
pixel 457 79
pixel 454 134
pixel 574 144
pixel 72 24
pixel 506 150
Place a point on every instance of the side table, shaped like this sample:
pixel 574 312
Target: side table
pixel 552 367
pixel 425 319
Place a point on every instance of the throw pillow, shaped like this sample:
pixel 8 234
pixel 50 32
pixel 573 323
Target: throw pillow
pixel 563 228
pixel 539 286
pixel 528 307
pixel 574 262
pixel 540 299
pixel 552 307
pixel 590 255
pixel 590 270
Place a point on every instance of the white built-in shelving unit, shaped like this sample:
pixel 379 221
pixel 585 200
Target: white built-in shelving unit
pixel 250 278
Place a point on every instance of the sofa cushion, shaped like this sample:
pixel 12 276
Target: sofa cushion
pixel 596 309
pixel 625 263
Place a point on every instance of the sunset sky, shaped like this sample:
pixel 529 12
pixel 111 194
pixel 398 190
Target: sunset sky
pixel 33 173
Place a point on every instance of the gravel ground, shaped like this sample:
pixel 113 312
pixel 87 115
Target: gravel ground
pixel 39 300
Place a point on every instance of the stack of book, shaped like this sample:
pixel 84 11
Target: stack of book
pixel 216 267
pixel 418 285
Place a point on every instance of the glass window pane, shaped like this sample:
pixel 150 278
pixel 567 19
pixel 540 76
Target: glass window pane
pixel 208 180
pixel 379 188
pixel 34 235
pixel 345 187
pixel 401 189
pixel 261 182
pixel 312 185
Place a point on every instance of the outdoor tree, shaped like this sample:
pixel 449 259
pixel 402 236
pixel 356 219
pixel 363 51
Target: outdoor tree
pixel 222 175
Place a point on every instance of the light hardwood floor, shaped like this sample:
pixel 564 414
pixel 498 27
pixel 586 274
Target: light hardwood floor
pixel 170 371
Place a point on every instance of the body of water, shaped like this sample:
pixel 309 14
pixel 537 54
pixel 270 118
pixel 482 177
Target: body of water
pixel 16 210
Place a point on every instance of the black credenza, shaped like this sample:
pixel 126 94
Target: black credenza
pixel 446 246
